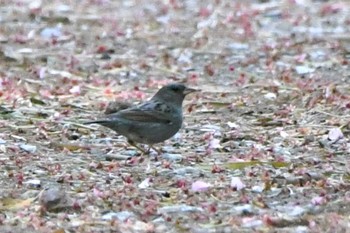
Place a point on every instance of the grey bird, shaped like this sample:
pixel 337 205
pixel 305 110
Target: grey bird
pixel 153 121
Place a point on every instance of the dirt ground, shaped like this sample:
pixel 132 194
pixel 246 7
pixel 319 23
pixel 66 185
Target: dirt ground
pixel 264 146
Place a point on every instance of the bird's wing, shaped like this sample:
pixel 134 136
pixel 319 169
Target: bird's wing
pixel 143 116
pixel 147 112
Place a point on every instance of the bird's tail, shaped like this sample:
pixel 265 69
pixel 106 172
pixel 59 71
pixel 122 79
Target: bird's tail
pixel 100 122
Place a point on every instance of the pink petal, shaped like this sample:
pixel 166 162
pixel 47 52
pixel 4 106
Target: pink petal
pixel 42 72
pixel 98 193
pixel 200 186
pixel 335 134
pixel 145 183
pixel 46 94
pixel 75 90
pixel 232 125
pixel 214 144
pixel 318 201
pixel 237 183
pixel 284 134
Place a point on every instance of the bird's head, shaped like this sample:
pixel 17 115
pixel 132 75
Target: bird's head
pixel 173 93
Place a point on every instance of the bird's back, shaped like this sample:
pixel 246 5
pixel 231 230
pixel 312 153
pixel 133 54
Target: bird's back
pixel 148 123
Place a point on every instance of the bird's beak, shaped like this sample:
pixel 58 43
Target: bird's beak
pixel 189 90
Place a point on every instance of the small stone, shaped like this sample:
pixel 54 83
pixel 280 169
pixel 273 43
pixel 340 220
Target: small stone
pixel 121 216
pixel 270 96
pixel 187 170
pixel 304 69
pixel 179 208
pixel 172 157
pixel 51 32
pixel 33 183
pixel 28 148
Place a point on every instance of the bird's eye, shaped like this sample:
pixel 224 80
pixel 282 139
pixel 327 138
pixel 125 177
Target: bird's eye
pixel 175 88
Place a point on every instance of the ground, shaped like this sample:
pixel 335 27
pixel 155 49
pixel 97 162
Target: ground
pixel 264 146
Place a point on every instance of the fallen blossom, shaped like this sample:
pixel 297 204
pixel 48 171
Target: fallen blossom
pixel 232 125
pixel 335 134
pixel 200 186
pixel 284 134
pixel 237 183
pixel 145 183
pixel 318 200
pixel 214 144
pixel 42 72
pixel 98 193
pixel 75 90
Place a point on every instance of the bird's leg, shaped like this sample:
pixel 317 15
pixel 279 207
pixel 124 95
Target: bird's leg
pixel 152 147
pixel 158 151
pixel 136 146
pixel 148 150
pixel 132 143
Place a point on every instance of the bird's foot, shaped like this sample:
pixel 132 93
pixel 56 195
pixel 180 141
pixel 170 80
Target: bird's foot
pixel 159 152
pixel 146 152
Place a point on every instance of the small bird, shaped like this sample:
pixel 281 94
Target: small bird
pixel 153 121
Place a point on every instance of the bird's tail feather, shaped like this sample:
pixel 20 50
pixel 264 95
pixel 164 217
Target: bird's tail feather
pixel 101 122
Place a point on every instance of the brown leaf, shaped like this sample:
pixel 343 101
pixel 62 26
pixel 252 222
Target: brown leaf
pixel 14 204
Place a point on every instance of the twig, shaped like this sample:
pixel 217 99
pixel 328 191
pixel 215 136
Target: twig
pixel 168 71
pixel 337 161
pixel 77 124
pixel 329 114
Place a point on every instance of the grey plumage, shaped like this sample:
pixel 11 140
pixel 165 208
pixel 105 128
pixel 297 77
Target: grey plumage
pixel 153 121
